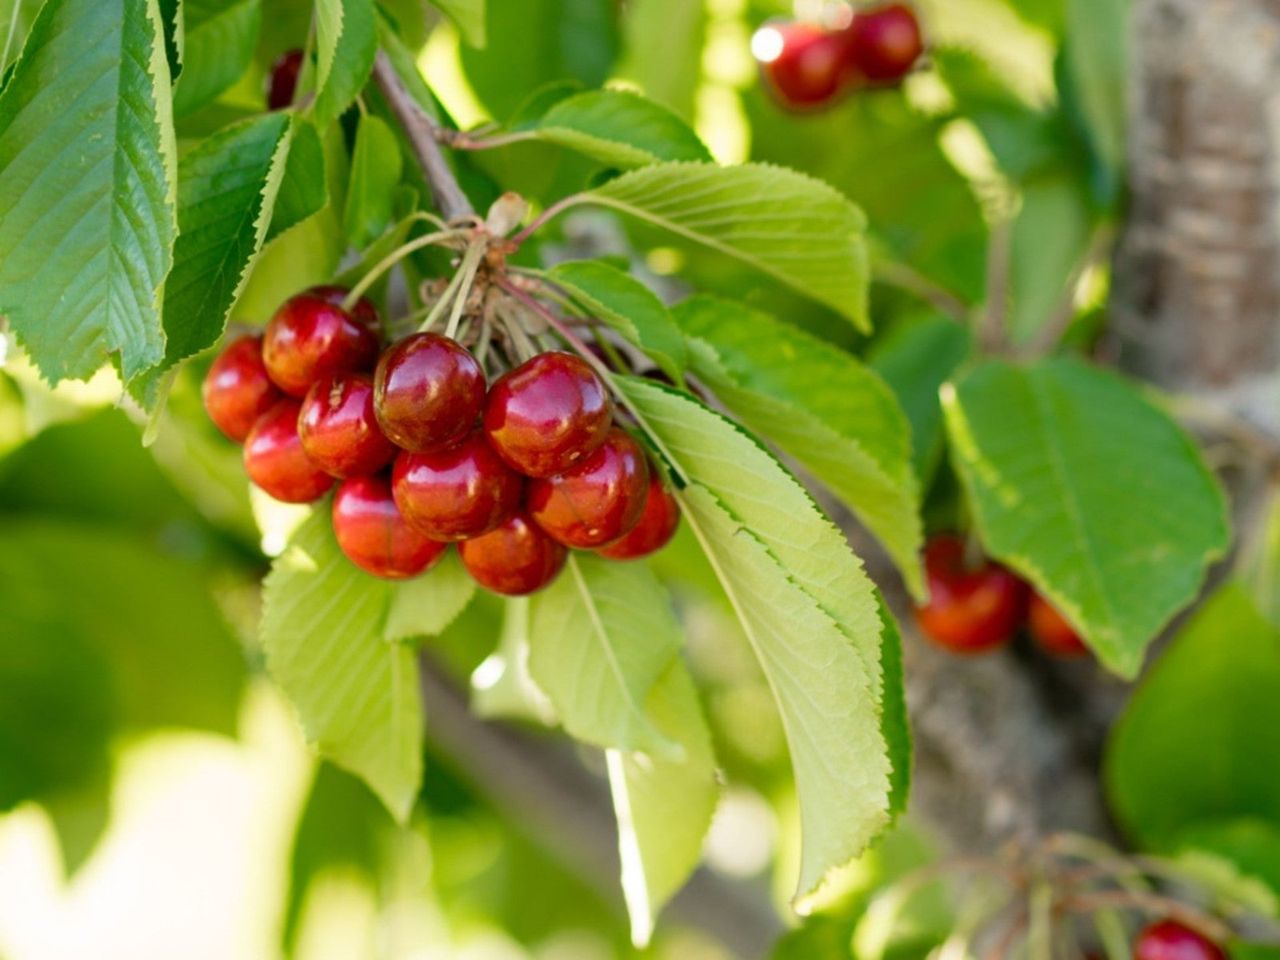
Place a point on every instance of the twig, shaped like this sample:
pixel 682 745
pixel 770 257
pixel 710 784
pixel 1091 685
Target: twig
pixel 992 334
pixel 899 275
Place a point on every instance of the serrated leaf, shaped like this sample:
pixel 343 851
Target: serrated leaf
pixel 376 165
pixel 468 15
pixel 356 695
pixel 87 180
pixel 796 229
pixel 893 710
pixel 426 605
pixel 346 43
pixel 218 42
pixel 303 189
pixel 628 307
pixel 1081 485
pixel 620 128
pixel 501 686
pixel 663 807
pixel 820 405
pixel 600 637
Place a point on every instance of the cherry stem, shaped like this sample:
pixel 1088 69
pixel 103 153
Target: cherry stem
pixel 556 208
pixel 464 278
pixel 458 140
pixel 391 259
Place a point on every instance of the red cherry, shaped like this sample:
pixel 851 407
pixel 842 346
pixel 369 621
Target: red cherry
pixel 803 63
pixel 1051 631
pixel 657 524
pixel 514 559
pixel 237 389
pixel 969 610
pixel 1170 940
pixel 547 414
pixel 374 535
pixel 882 44
pixel 338 429
pixel 428 392
pixel 283 79
pixel 364 311
pixel 596 502
pixel 309 338
pixel 275 460
pixel 456 493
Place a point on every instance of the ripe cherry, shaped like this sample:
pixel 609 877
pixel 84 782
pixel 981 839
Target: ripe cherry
pixel 656 527
pixel 428 392
pixel 1170 940
pixel 338 429
pixel 275 460
pixel 1051 631
pixel 364 311
pixel 596 502
pixel 456 493
pixel 514 559
pixel 283 79
pixel 803 63
pixel 374 535
pixel 969 610
pixel 237 389
pixel 883 43
pixel 547 414
pixel 309 338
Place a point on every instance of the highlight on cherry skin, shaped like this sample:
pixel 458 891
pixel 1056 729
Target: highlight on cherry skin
pixel 237 390
pixel 428 392
pixel 309 337
pixel 374 534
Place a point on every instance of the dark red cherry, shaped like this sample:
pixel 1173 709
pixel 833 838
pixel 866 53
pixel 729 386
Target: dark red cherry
pixel 514 559
pixel 596 502
pixel 373 533
pixel 1171 940
pixel 883 43
pixel 456 493
pixel 547 414
pixel 656 527
pixel 1051 631
pixel 237 389
pixel 970 610
pixel 364 311
pixel 338 429
pixel 429 391
pixel 275 460
pixel 310 338
pixel 283 79
pixel 803 63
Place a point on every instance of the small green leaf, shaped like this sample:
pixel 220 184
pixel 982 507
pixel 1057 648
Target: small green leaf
pixel 1250 844
pixel 621 129
pixel 1094 495
pixel 426 605
pixel 469 17
pixel 1097 59
pixel 375 172
pixel 346 43
pixel 1049 240
pixel 794 228
pixel 218 42
pixel 628 307
pixel 303 191
pixel 501 685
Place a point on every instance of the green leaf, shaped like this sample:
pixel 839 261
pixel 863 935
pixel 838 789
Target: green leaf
pixel 599 639
pixel 87 180
pixel 501 685
pixel 356 694
pixel 426 605
pixel 303 190
pixel 468 15
pixel 662 50
pixel 376 165
pixel 346 43
pixel 1097 63
pixel 1090 492
pixel 1249 844
pixel 628 307
pixel 820 405
pixel 1049 240
pixel 621 129
pixel 794 228
pixel 893 714
pixel 218 42
pixel 664 807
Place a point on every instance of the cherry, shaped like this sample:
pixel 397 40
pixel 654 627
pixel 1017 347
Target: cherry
pixel 338 429
pixel 456 493
pixel 275 460
pixel 309 338
pixel 969 610
pixel 1171 940
pixel 596 502
pixel 514 559
pixel 656 527
pixel 364 311
pixel 283 79
pixel 374 535
pixel 547 414
pixel 237 389
pixel 803 63
pixel 883 43
pixel 1051 631
pixel 428 392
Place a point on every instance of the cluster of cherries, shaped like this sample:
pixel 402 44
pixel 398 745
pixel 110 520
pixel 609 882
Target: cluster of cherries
pixel 978 607
pixel 807 64
pixel 425 453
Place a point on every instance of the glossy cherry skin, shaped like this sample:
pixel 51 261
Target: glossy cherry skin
pixel 803 64
pixel 515 559
pixel 969 610
pixel 456 493
pixel 374 534
pixel 1170 940
pixel 656 527
pixel 283 79
pixel 882 44
pixel 596 502
pixel 338 429
pixel 275 460
pixel 547 414
pixel 310 338
pixel 237 390
pixel 428 392
pixel 364 312
pixel 1051 631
